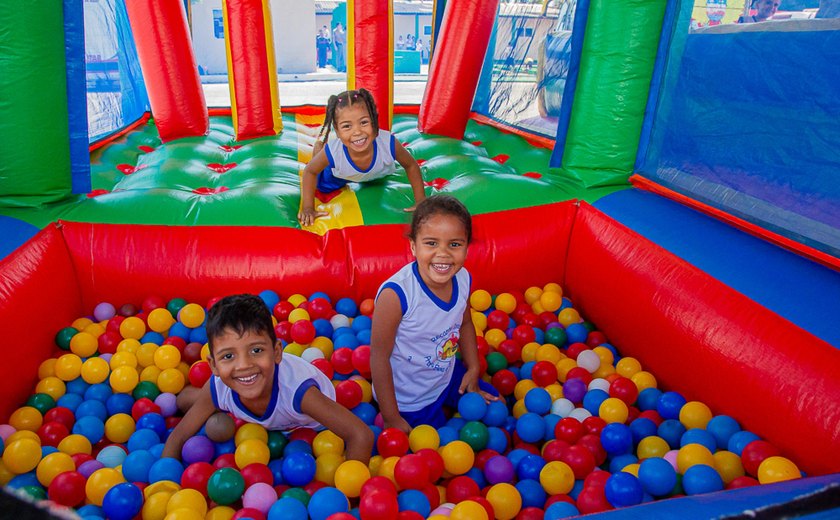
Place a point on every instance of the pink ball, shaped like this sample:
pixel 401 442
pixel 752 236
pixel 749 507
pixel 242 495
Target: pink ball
pixel 379 421
pixel 671 457
pixel 6 430
pixel 167 404
pixel 259 496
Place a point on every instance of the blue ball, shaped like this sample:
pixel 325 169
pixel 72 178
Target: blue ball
pixel 532 493
pixel 539 335
pixel 559 510
pixel 77 386
pixel 70 401
pixel 670 404
pixel 327 501
pixel 739 440
pixel 270 298
pixel 516 372
pixel 99 392
pixel 477 475
pixel 111 456
pixel 496 439
pixel 517 455
pixel 166 468
pixel 617 439
pixel 90 510
pixel 699 436
pixel 413 500
pixel 180 330
pixel 23 480
pixel 672 431
pixel 347 307
pixel 119 403
pixel 288 508
pixel 122 502
pixel 298 469
pixel 576 333
pixel 276 467
pixel 620 462
pixel 342 330
pixel 320 294
pixel 152 337
pixel 136 466
pixel 363 336
pixel 530 427
pixel 154 422
pixel 47 450
pixel 92 408
pixel 472 406
pixel 157 450
pixel 365 411
pixel 612 349
pixel 566 304
pixel 641 428
pixel 657 475
pixel 538 401
pixel 456 423
pixel 496 414
pixel 90 427
pixel 198 335
pixel 624 489
pixel 529 467
pixel 700 478
pixel 297 446
pixel 723 427
pixel 228 446
pixel 648 398
pixel 142 440
pixel 447 434
pixel 323 327
pixel 361 323
pixel 576 489
pixel 526 370
pixel 592 400
pixel 551 421
pixel 346 341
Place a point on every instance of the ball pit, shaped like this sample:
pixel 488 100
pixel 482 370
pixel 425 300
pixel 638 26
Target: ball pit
pixel 572 408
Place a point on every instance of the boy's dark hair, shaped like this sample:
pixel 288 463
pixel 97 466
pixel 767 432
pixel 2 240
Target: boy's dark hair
pixel 343 100
pixel 440 205
pixel 240 313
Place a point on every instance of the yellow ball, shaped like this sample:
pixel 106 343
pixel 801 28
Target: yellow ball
pixel 633 469
pixel 518 409
pixel 83 344
pixel 327 442
pixel 123 359
pixel 99 482
pixel 160 320
pixel 553 287
pixel 191 315
pixel 162 486
pixel 367 390
pixel 22 455
pixel 652 446
pixel 298 314
pixel 296 299
pixel 129 345
pixel 167 356
pixel 96 329
pixel 6 475
pixel 23 434
pixel 557 478
pixel 75 443
pixel 154 508
pixel 219 513
pixel 628 366
pixel 52 386
pixel 529 352
pixel 150 374
pixel 479 321
pixel 52 465
pixel 184 514
pixel 294 349
pixel 605 354
pixel 124 379
pixel 26 418
pixel 480 300
pixel 537 308
pixel 532 294
pixel 68 367
pixel 494 337
pixel 386 468
pixel 468 510
pixel 728 465
pixel 188 498
pixel 523 387
pixel 551 301
pixel 250 431
pixel 506 303
pixel 80 323
pixel 423 436
pixel 205 352
pixel 563 367
pixel 555 391
pixel 505 500
pixel 350 476
pixel 171 380
pixel 568 316
pixel 777 469
pixel 95 370
pixel 603 371
pixel 695 414
pixel 132 327
pixel 146 354
pixel 324 344
pixel 119 427
pixel 644 380
pixel 46 368
pixel 693 454
pixel 374 464
pixel 184 368
pixel 550 353
pixel 613 410
pixel 251 451
pixel 458 457
pixel 326 466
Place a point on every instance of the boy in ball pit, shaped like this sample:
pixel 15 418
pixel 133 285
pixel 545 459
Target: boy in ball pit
pixel 253 381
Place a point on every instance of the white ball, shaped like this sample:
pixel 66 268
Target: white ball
pixel 589 360
pixel 311 354
pixel 562 407
pixel 580 414
pixel 600 383
pixel 339 320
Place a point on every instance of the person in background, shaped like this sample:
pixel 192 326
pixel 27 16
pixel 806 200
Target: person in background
pixel 322 45
pixel 339 44
pixel 765 9
pixel 400 45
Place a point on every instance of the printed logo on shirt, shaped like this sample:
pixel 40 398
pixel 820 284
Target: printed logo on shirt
pixel 448 348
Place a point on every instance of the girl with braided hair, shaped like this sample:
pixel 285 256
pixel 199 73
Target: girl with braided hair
pixel 362 152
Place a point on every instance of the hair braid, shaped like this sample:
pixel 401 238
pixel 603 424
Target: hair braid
pixel 329 117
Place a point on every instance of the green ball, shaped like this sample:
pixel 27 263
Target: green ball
pixel 297 493
pixel 175 305
pixel 556 336
pixel 496 361
pixel 62 339
pixel 475 434
pixel 36 492
pixel 146 389
pixel 678 488
pixel 225 486
pixel 589 326
pixel 42 402
pixel 276 443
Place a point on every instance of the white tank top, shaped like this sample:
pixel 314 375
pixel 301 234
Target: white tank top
pixel 342 166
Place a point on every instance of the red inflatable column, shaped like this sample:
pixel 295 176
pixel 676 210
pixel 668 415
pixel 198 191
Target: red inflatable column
pixel 370 57
pixel 169 69
pixel 252 72
pixel 456 66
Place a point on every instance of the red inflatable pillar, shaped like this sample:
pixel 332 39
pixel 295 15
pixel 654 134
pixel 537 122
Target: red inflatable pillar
pixel 169 69
pixel 252 69
pixel 456 66
pixel 370 56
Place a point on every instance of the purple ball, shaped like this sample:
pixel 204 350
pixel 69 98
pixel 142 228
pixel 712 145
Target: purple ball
pixel 167 404
pixel 88 467
pixel 104 311
pixel 574 390
pixel 198 449
pixel 498 469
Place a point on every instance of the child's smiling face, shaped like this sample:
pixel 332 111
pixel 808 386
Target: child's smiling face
pixel 354 127
pixel 440 247
pixel 245 364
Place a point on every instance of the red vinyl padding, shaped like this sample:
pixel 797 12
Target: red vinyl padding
pixel 707 341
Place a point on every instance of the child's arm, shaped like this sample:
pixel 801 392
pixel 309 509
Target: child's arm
pixel 469 354
pixel 412 171
pixel 386 318
pixel 308 182
pixel 357 436
pixel 195 418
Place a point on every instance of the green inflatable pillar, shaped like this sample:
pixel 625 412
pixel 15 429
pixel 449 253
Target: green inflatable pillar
pixel 34 137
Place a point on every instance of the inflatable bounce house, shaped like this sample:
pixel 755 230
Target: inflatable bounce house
pixel 660 234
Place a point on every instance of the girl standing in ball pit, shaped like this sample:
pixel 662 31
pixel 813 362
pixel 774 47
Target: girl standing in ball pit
pixel 253 381
pixel 422 319
pixel 363 152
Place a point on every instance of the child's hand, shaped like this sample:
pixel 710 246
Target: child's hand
pixel 398 423
pixel 470 384
pixel 410 208
pixel 307 216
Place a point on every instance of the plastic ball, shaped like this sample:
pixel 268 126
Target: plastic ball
pixel 557 477
pixel 22 455
pixel 225 486
pixel 122 502
pixel 351 476
pixel 220 427
pixel 392 443
pixel 424 436
pixel 755 453
pixel 505 500
pixel 133 328
pixel 99 482
pixel 475 434
pixel 378 505
pixel 692 455
pixel 259 496
pixel 298 468
pixel 657 476
pixel 777 469
pixel 739 440
pixel 67 488
pixel 613 410
pixel 723 427
pixel 327 501
pixel 695 414
pixel 73 444
pixel 83 344
pixel 458 457
pixel 728 465
pixel 252 451
pixel 191 315
pixel 68 367
pixel 701 478
pixel 469 510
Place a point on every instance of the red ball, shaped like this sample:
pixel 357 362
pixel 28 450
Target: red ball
pixel 172 421
pixel 342 361
pixel 126 310
pixel 593 500
pixel 595 338
pixel 482 346
pixel 544 373
pixel 498 320
pixel 485 504
pixel 314 486
pixel 361 360
pixel 632 414
pixel 520 311
pixel 80 458
pixel 213 301
pixel 408 515
pixel 199 373
pixel 196 475
pixel 653 415
pixel 432 493
pixel 228 460
pixel 283 330
pixel 383 484
pixel 151 303
pixel 553 450
pixel 504 381
pixel 108 342
pixel 303 434
pixel 143 406
pixel 51 433
pixel 248 512
pixel 483 456
pixel 625 389
pixel 341 516
pixel 530 319
pixel 579 373
pixel 592 442
pixel 580 460
pixel 574 350
pixel 256 472
pixel 67 489
pixel 192 352
pixel 379 505
pixel 524 334
pixel 434 461
pixel 411 472
pixel 519 444
pixel 281 488
pixel 461 488
pixel 546 319
pixel 531 513
pixel 348 394
pixel 282 311
pixel 302 332
pixel 511 349
pixel 177 342
pixel 324 366
pixel 320 308
pixel 742 482
pixel 594 424
pixel 366 307
pixel 114 324
pixel 569 429
pixel 559 498
pixel 754 454
pixel 392 443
